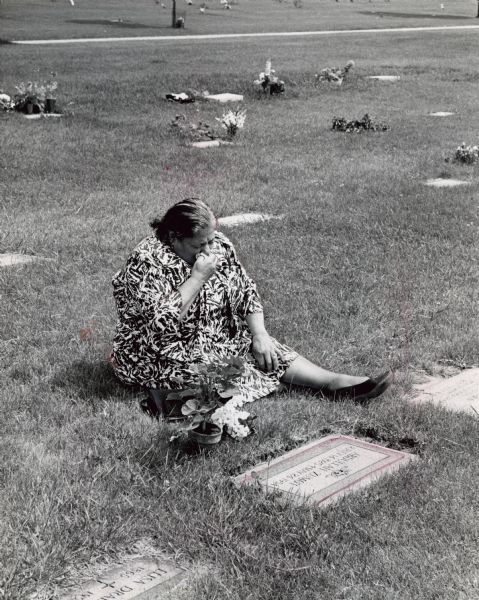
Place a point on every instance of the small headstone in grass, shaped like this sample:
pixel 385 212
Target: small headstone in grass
pixel 224 97
pixel 459 393
pixel 206 144
pixel 139 579
pixel 441 113
pixel 324 470
pixel 385 77
pixel 445 182
pixel 10 260
pixel 246 218
pixel 43 116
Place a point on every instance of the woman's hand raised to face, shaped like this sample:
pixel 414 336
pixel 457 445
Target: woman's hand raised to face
pixel 205 266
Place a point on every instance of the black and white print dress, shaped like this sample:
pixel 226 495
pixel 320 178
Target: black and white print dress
pixel 152 344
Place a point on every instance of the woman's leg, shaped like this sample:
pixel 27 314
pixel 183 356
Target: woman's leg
pixel 303 372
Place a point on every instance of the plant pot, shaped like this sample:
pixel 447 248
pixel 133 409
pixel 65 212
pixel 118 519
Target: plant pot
pixel 50 105
pixel 211 435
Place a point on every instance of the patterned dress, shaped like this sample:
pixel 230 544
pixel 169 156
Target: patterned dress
pixel 152 344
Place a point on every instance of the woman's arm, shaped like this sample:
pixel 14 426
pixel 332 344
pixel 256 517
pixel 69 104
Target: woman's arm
pixel 203 269
pixel 262 347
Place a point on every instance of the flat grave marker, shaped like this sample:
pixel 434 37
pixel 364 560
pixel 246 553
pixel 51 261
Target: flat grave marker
pixel 43 116
pixel 326 469
pixel 10 260
pixel 246 218
pixel 206 144
pixel 139 579
pixel 458 393
pixel 224 97
pixel 446 182
pixel 441 113
pixel 385 77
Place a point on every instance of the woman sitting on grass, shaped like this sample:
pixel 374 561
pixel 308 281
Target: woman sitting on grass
pixel 183 297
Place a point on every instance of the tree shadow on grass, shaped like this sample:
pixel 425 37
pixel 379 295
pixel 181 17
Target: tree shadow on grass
pixel 92 381
pixel 116 23
pixel 411 15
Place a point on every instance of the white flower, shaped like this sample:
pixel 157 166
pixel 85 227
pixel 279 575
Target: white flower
pixel 233 120
pixel 229 415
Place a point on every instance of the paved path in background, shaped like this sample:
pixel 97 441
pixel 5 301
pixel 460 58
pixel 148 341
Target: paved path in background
pixel 222 36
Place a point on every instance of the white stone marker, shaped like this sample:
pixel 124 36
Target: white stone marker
pixel 9 260
pixel 445 182
pixel 459 393
pixel 43 116
pixel 324 470
pixel 441 113
pixel 385 77
pixel 246 218
pixel 206 144
pixel 139 579
pixel 225 97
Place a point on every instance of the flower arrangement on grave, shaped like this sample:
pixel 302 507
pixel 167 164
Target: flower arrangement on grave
pixel 212 403
pixel 335 75
pixel 6 102
pixel 197 132
pixel 33 97
pixel 268 82
pixel 466 154
pixel 358 125
pixel 232 121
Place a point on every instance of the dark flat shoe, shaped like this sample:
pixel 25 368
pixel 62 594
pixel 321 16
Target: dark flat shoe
pixel 371 388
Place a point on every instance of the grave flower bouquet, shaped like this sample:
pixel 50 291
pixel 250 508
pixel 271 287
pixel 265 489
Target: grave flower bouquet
pixel 267 80
pixel 33 94
pixel 467 154
pixel 6 103
pixel 232 121
pixel 358 125
pixel 213 399
pixel 335 75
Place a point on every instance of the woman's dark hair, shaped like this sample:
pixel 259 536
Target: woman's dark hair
pixel 183 220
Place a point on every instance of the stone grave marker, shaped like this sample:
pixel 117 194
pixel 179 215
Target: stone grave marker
pixel 246 218
pixel 9 260
pixel 43 116
pixel 385 77
pixel 445 182
pixel 324 470
pixel 206 144
pixel 459 393
pixel 441 113
pixel 139 579
pixel 224 97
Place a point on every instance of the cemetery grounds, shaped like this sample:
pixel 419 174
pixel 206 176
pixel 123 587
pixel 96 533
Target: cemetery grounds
pixel 369 269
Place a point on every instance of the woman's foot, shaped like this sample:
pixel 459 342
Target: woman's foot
pixel 366 389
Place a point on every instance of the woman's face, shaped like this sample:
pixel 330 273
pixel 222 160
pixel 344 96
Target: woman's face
pixel 188 248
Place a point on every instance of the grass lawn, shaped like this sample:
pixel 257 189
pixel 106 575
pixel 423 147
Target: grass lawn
pixel 369 269
pixel 43 19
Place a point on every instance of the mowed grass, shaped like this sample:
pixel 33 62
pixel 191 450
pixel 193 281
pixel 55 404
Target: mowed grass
pixel 369 269
pixel 115 18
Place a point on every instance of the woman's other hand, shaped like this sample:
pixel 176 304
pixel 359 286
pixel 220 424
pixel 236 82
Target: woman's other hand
pixel 205 266
pixel 264 352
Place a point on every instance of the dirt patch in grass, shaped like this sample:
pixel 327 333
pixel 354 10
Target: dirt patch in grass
pixel 389 438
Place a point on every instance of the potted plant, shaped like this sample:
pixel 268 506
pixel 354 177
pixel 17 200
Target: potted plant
pixel 29 98
pixel 268 82
pixel 50 96
pixel 213 388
